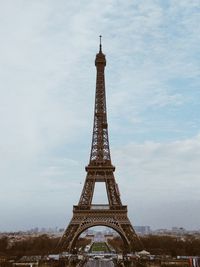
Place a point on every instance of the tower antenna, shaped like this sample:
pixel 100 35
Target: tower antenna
pixel 100 46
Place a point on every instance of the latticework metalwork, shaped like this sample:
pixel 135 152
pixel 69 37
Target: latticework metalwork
pixel 100 152
pixel 100 169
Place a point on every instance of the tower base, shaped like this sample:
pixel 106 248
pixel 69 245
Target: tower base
pixel 100 215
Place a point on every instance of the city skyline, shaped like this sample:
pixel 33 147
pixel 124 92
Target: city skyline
pixel 47 101
pixel 141 229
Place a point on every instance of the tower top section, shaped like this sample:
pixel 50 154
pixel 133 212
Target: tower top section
pixel 100 60
pixel 100 151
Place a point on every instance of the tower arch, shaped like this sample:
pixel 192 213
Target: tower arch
pixel 109 225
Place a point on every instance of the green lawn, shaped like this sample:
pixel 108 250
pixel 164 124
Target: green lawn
pixel 99 246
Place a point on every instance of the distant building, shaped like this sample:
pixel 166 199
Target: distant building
pixel 109 236
pixel 99 237
pixel 29 261
pixel 142 230
pixel 178 230
pixel 89 237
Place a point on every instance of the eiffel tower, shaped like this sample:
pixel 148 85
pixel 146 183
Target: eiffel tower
pixel 100 169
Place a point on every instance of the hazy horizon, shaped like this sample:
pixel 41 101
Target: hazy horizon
pixel 49 228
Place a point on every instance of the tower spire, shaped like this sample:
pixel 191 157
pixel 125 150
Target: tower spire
pixel 100 45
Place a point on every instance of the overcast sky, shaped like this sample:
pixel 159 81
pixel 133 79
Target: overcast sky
pixel 47 75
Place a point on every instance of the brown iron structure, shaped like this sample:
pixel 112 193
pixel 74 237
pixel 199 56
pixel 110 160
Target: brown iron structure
pixel 100 169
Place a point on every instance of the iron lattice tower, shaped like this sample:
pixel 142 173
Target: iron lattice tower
pixel 100 169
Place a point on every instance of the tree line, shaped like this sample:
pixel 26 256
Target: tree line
pixel 39 245
pixel 168 245
pixel 156 245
